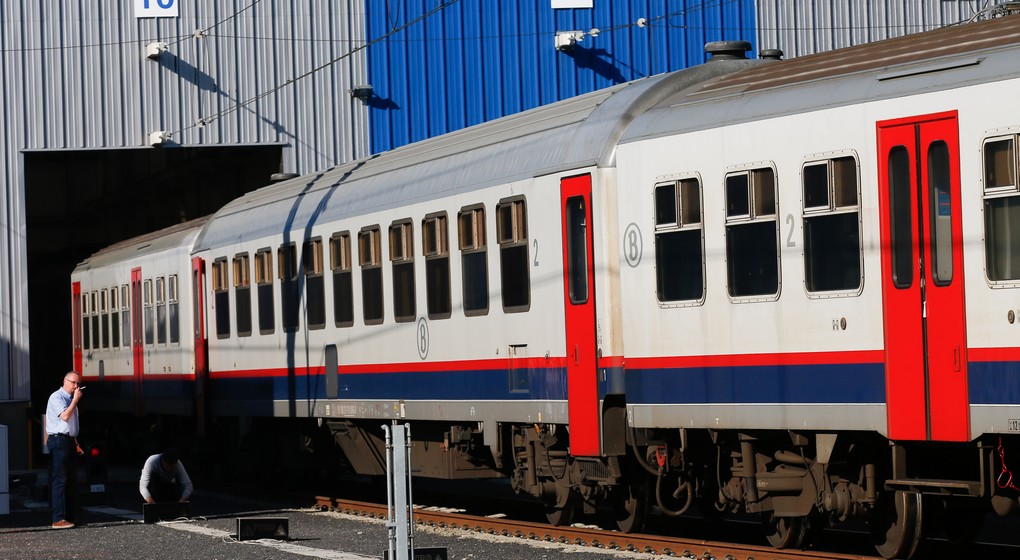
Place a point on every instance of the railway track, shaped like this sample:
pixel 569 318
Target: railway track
pixel 582 536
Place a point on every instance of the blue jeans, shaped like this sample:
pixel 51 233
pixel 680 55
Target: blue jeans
pixel 63 477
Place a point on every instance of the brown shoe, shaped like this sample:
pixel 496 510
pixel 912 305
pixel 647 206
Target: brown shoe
pixel 62 524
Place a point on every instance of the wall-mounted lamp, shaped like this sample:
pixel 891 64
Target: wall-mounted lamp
pixel 362 92
pixel 158 137
pixel 153 50
pixel 565 40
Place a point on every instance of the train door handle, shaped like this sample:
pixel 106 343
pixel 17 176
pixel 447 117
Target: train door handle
pixel 956 359
pixel 577 356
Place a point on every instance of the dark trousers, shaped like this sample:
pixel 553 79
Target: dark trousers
pixel 165 491
pixel 63 477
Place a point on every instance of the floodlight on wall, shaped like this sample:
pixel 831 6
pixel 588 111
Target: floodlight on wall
pixel 158 137
pixel 362 92
pixel 565 40
pixel 154 49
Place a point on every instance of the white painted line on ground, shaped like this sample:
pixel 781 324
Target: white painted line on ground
pixel 191 527
pixel 269 543
pixel 117 512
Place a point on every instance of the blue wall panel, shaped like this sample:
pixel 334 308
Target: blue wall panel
pixel 478 60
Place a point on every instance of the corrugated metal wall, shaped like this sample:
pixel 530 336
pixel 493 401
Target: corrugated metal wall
pixel 73 76
pixel 474 61
pixel 801 27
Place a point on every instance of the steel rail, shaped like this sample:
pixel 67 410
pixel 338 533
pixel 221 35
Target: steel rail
pixel 581 536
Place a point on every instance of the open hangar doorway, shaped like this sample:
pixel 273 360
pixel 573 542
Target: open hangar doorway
pixel 77 202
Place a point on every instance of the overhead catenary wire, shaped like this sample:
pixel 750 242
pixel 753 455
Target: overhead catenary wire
pixel 203 31
pixel 202 121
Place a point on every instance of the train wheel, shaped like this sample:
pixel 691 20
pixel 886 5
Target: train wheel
pixel 896 524
pixel 631 505
pixel 560 516
pixel 785 532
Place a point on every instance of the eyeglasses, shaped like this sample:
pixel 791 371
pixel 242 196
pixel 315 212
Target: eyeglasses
pixel 69 381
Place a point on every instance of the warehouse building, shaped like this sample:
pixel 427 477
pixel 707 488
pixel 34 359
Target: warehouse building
pixel 120 118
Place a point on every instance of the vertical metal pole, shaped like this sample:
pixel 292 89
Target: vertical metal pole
pixel 390 526
pixel 399 477
pixel 399 507
pixel 410 501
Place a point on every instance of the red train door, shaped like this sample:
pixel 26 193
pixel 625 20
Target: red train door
pixel 137 349
pixel 76 319
pixel 198 325
pixel 579 315
pixel 922 278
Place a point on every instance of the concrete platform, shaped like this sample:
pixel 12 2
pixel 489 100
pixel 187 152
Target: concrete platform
pixel 111 528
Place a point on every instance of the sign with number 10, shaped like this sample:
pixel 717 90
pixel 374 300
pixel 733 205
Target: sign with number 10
pixel 155 8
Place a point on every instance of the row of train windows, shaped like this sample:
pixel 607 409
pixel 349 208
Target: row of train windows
pixel 515 282
pixel 106 315
pixel 831 215
pixel 832 247
pixel 832 254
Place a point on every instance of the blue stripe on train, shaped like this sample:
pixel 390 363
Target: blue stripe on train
pixel 830 383
pixel 521 384
pixel 993 382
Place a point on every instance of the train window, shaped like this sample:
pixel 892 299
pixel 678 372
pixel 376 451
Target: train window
pixel 125 316
pixel 264 286
pixel 343 281
pixel 832 225
pixel 752 234
pixel 315 283
pixel 114 319
pixel 95 320
pixel 104 317
pixel 221 297
pixel 1000 164
pixel 161 311
pixel 515 275
pixel 900 218
pixel 173 306
pixel 576 218
pixel 402 261
pixel 286 262
pixel 242 294
pixel 738 196
pixel 436 250
pixel 1002 210
pixel 473 260
pixel 665 204
pixel 370 260
pixel 148 312
pixel 940 213
pixel 86 339
pixel 679 244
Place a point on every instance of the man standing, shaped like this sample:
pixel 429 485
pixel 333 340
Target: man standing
pixel 164 479
pixel 61 431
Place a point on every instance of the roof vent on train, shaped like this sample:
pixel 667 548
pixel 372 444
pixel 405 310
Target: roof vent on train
pixel 727 50
pixel 771 54
pixel 279 177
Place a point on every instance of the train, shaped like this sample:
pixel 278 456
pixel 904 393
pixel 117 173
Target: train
pixel 784 288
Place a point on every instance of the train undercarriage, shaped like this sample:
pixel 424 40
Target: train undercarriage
pixel 795 483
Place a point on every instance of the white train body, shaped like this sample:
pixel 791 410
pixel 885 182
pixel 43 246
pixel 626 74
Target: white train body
pixel 798 265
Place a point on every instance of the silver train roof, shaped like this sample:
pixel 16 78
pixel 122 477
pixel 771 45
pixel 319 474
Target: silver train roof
pixel 578 132
pixel 180 235
pixel 935 60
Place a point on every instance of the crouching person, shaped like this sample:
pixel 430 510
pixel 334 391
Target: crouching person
pixel 164 479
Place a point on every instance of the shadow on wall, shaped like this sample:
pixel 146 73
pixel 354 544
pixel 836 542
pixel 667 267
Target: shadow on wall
pixel 14 413
pixel 600 62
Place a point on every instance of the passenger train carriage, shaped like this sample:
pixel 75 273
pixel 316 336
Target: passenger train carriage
pixel 782 287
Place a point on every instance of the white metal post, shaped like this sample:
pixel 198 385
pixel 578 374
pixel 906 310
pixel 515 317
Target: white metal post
pixel 400 517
